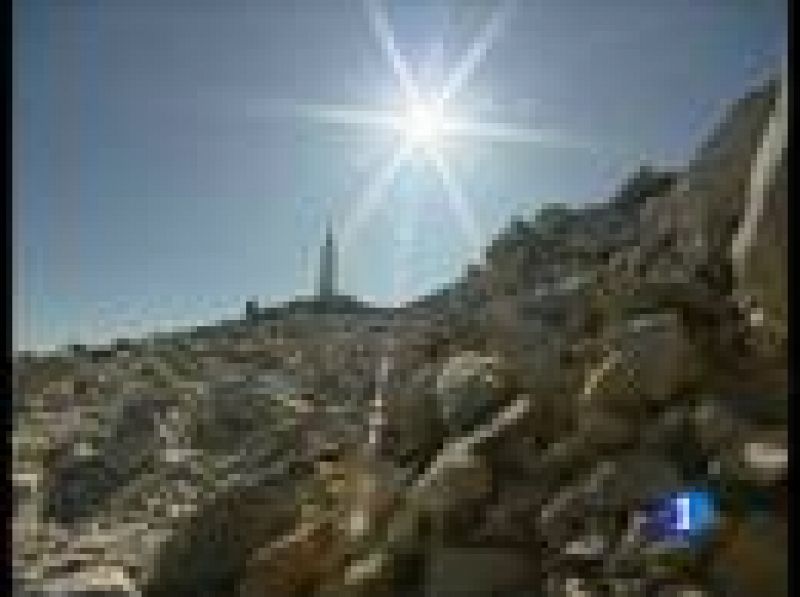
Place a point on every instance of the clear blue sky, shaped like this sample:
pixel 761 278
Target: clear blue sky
pixel 162 172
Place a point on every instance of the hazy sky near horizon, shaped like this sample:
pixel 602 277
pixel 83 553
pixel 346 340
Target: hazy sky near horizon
pixel 165 167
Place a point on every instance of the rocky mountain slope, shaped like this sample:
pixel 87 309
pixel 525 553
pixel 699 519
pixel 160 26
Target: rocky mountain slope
pixel 505 436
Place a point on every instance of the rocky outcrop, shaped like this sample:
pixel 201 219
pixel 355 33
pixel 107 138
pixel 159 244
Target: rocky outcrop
pixel 623 365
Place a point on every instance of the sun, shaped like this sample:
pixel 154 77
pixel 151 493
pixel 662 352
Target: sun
pixel 423 123
pixel 431 124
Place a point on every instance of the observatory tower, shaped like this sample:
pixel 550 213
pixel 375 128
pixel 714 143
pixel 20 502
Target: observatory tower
pixel 327 268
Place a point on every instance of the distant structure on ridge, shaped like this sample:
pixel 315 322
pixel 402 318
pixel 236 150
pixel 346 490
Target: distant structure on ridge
pixel 326 299
pixel 326 289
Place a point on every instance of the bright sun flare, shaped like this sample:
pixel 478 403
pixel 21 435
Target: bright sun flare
pixel 423 124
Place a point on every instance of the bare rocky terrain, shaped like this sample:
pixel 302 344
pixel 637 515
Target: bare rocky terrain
pixel 503 436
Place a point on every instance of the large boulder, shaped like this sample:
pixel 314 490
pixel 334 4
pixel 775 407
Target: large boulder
pixel 466 390
pixel 649 360
pixel 759 249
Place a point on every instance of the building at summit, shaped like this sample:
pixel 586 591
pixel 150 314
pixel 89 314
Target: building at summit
pixel 327 297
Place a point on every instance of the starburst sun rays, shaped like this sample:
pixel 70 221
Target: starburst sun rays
pixel 426 121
